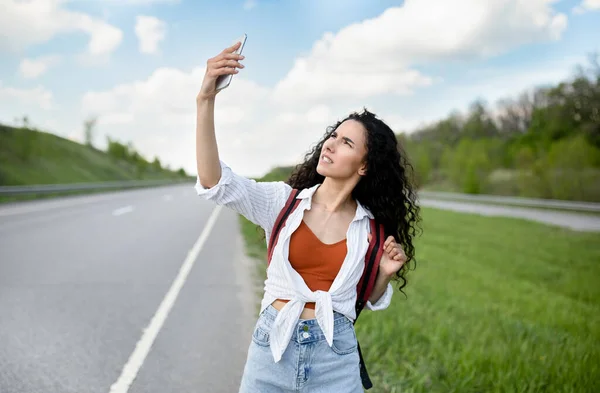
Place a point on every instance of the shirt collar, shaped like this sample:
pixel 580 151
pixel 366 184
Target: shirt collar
pixel 307 194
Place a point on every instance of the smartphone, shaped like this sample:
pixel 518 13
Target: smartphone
pixel 225 80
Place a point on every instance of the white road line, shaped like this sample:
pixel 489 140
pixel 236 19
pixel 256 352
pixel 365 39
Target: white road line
pixel 136 360
pixel 122 210
pixel 168 197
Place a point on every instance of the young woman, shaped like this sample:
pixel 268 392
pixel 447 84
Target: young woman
pixel 304 339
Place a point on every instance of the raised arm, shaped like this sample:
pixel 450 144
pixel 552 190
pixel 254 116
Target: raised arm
pixel 259 202
pixel 207 154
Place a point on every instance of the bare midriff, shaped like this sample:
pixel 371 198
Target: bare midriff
pixel 318 263
pixel 307 313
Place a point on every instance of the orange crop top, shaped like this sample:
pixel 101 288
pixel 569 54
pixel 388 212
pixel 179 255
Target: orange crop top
pixel 318 263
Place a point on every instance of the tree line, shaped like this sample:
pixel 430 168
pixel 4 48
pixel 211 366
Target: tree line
pixel 543 143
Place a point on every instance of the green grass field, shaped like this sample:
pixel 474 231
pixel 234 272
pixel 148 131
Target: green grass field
pixel 494 305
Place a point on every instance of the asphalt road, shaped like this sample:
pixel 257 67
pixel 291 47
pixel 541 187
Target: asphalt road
pixel 81 279
pixel 571 220
pixel 137 291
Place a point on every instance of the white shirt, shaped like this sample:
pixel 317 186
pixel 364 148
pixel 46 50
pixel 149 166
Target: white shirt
pixel 261 202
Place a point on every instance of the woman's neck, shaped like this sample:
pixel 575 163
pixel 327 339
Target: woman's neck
pixel 335 196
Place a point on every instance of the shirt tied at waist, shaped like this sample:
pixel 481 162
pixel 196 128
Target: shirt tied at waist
pixel 284 325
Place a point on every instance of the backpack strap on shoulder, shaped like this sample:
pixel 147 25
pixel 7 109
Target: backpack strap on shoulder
pixel 288 208
pixel 365 287
pixel 372 258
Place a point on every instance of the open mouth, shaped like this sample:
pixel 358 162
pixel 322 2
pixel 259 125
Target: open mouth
pixel 326 159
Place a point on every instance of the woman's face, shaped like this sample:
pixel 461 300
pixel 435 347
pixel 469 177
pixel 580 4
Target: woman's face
pixel 343 152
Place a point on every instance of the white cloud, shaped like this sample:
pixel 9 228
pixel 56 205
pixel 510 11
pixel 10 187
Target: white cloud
pixel 587 5
pixel 158 115
pixel 250 4
pixel 378 56
pixel 104 37
pixel 253 134
pixel 26 23
pixel 38 96
pixel 397 122
pixel 150 31
pixel 256 129
pixel 33 68
pixel 259 127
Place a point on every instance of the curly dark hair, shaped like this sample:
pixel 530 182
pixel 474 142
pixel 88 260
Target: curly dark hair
pixel 386 189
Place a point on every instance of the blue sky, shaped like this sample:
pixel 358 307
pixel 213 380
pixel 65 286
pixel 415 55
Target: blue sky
pixel 137 65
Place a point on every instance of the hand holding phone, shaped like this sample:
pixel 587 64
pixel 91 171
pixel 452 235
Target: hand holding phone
pixel 224 81
pixel 221 68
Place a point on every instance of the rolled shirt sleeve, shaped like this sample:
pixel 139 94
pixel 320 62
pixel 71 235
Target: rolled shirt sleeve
pixel 212 192
pixel 384 301
pixel 259 202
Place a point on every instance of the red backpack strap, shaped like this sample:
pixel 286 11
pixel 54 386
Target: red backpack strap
pixel 365 287
pixel 372 258
pixel 288 208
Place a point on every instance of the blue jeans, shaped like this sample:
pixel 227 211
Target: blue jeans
pixel 309 364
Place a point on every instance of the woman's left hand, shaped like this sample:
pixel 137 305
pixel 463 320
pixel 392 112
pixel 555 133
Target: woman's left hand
pixel 393 257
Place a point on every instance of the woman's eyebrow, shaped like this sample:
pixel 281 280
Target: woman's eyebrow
pixel 348 139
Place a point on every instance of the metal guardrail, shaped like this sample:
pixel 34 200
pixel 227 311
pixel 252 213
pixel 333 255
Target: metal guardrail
pixel 56 188
pixel 517 201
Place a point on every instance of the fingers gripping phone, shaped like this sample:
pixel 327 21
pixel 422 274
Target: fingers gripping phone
pixel 225 80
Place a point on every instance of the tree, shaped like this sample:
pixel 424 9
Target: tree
pixel 568 165
pixel 515 115
pixel 116 150
pixel 156 164
pixel 479 123
pixel 89 129
pixel 468 165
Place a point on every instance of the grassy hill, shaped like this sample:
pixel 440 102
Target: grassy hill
pixel 34 157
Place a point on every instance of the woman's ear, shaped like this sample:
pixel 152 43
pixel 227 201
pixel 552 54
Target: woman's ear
pixel 362 171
